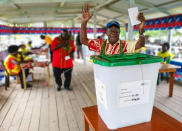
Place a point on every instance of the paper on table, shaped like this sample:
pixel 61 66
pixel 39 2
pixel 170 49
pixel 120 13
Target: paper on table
pixel 133 14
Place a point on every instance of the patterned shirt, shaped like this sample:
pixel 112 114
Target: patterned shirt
pixel 96 46
pixel 59 55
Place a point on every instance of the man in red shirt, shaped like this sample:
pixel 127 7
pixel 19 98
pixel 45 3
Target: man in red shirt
pixel 63 49
pixel 113 45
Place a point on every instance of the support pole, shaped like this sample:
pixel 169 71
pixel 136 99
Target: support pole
pixel 170 32
pixel 130 27
pixel 95 25
pixel 45 26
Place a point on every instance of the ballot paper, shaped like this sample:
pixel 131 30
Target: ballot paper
pixel 133 14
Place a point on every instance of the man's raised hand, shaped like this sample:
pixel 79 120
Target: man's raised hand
pixel 142 24
pixel 86 15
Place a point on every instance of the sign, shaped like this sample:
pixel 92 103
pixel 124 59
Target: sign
pixel 133 93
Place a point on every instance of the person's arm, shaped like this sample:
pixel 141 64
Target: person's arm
pixel 55 46
pixel 86 16
pixel 41 46
pixel 141 41
pixel 26 59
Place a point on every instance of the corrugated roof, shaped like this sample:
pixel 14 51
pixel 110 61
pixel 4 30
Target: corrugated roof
pixel 28 11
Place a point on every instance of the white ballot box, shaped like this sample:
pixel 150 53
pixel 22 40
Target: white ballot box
pixel 125 87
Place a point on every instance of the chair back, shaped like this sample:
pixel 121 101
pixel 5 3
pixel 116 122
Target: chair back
pixel 6 72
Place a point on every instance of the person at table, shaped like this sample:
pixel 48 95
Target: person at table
pixel 23 50
pixel 12 64
pixel 164 53
pixel 63 49
pixel 47 41
pixel 113 45
pixel 29 46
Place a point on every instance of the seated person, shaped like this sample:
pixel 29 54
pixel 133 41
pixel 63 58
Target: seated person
pixel 12 64
pixel 29 46
pixel 164 53
pixel 23 50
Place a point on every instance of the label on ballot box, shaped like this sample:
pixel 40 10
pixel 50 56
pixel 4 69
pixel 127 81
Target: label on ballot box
pixel 101 93
pixel 133 93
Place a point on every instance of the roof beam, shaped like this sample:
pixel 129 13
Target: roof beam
pixel 38 16
pixel 100 24
pixel 173 4
pixel 151 6
pixel 22 13
pixel 62 3
pixel 10 2
pixel 108 2
pixel 110 18
pixel 36 19
pixel 46 9
pixel 100 6
pixel 120 11
pixel 41 1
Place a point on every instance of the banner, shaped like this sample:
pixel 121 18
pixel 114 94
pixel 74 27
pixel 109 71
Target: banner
pixel 7 30
pixel 163 23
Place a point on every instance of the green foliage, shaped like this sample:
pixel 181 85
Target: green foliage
pixel 177 33
pixel 123 32
pixel 158 33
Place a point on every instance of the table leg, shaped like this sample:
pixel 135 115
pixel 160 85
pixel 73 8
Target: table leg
pixel 48 76
pixel 32 75
pixel 86 124
pixel 24 79
pixel 171 84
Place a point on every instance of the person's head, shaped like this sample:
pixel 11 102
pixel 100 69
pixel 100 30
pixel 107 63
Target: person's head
pixel 22 46
pixel 69 32
pixel 13 49
pixel 65 33
pixel 99 37
pixel 30 42
pixel 165 47
pixel 42 36
pixel 113 31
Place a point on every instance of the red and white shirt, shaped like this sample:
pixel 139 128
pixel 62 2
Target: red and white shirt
pixel 96 46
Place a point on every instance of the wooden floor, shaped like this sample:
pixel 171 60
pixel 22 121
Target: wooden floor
pixel 44 109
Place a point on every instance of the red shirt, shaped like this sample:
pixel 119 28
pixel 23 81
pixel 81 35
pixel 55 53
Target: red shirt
pixel 60 54
pixel 96 45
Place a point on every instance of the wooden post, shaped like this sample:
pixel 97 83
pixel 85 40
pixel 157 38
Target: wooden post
pixel 48 76
pixel 24 79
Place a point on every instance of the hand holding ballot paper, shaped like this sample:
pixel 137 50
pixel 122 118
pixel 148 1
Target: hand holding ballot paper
pixel 137 18
pixel 133 14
